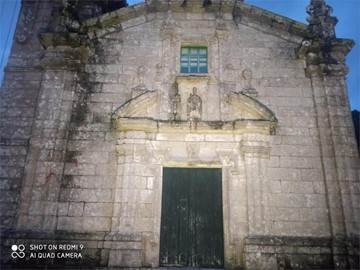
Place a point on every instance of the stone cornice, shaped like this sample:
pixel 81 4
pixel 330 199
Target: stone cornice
pixel 131 16
pixel 326 57
pixel 150 125
pixel 117 20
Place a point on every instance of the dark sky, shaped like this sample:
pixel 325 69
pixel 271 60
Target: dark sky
pixel 347 12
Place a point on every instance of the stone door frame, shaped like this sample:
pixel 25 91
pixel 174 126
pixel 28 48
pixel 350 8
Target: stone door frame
pixel 239 155
pixel 239 147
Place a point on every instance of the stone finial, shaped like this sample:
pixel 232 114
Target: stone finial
pixel 320 21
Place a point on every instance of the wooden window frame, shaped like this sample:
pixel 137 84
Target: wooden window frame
pixel 193 63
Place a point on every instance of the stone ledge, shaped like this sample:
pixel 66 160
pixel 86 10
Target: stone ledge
pixel 208 127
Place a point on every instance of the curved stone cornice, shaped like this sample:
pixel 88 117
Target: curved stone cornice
pixel 133 116
pixel 137 106
pixel 255 108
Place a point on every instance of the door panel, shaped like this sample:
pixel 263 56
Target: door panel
pixel 191 219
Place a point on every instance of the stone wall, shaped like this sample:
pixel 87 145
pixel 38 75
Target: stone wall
pixel 105 117
pixel 19 97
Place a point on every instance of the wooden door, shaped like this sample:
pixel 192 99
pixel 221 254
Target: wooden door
pixel 191 218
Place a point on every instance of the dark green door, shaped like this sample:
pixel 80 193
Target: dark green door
pixel 191 218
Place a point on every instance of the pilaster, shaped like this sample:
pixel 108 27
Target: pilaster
pixel 46 159
pixel 325 58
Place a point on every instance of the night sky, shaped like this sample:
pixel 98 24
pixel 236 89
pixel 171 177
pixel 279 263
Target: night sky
pixel 347 12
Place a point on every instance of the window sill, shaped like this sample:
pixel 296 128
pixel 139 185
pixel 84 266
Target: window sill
pixel 192 77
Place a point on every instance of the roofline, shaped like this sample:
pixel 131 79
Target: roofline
pixel 246 13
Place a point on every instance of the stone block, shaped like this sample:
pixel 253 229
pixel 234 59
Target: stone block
pixel 76 209
pixel 293 131
pixel 122 245
pixel 312 175
pixel 51 208
pixel 63 208
pixel 85 195
pixel 292 174
pixel 256 52
pixel 125 258
pixel 297 140
pixel 292 200
pixel 106 169
pixel 98 209
pixel 297 187
pixel 79 169
pixel 274 161
pixel 8 196
pixel 296 162
pixel 316 200
pixel 133 22
pixel 83 223
pixel 274 186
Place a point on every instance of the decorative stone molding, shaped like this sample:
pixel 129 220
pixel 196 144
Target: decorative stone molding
pixel 185 91
pixel 178 126
pixel 253 108
pixel 137 106
pixel 326 58
pixel 320 21
pixel 253 116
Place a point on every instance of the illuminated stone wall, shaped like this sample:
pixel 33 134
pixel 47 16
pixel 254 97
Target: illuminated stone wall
pixel 91 117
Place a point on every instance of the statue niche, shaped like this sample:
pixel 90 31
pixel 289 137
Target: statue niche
pixel 194 106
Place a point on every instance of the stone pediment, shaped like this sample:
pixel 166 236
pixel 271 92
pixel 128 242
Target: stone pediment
pixel 140 114
pixel 253 109
pixel 138 106
pixel 243 13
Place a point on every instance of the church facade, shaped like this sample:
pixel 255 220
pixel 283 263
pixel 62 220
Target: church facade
pixel 178 133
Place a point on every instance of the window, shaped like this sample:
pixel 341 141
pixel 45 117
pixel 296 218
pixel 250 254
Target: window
pixel 193 60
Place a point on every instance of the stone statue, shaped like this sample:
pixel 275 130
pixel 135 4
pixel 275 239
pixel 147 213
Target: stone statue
pixel 140 88
pixel 176 105
pixel 247 77
pixel 194 106
pixel 141 74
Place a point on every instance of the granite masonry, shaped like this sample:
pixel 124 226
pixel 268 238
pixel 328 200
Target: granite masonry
pixel 95 103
